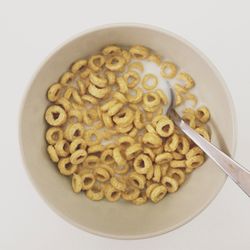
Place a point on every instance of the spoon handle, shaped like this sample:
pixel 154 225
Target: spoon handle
pixel 238 174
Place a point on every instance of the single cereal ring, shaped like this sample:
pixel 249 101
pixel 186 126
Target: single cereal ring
pixel 149 152
pixel 149 81
pixel 115 109
pixel 170 68
pixel 77 143
pixel 177 164
pixel 172 143
pixel 105 107
pixel 96 149
pixel 193 152
pixel 150 173
pixel 150 109
pixel 151 99
pixel 158 193
pixel 139 52
pixel 66 78
pixel 157 119
pixel 162 96
pixel 132 78
pixel 120 97
pixel 76 183
pixel 124 117
pixel 155 59
pixel 150 188
pixel 152 140
pixel 85 72
pixel 158 150
pixel 140 200
pixel 150 129
pixel 97 80
pixel 137 66
pixel 139 120
pixel 170 183
pixel 183 145
pixel 107 120
pixel 125 141
pixel 101 174
pixel 177 156
pixel 165 127
pixel 109 168
pixel 157 173
pixel 202 114
pixel 73 131
pixel 131 193
pixel 92 137
pixel 91 161
pixel 96 62
pixel 189 81
pixel 88 181
pixel 74 115
pixel 121 169
pixel 87 116
pixel 52 153
pixel 54 92
pixel 133 132
pixel 62 148
pixel 76 97
pixel 98 92
pixel 123 87
pixel 53 135
pixel 163 158
pixel 68 93
pixel 66 167
pixel 124 130
pixel 111 77
pixel 177 174
pixel 95 193
pixel 107 156
pixel 111 50
pixel 142 163
pixel 115 63
pixel 126 55
pixel 195 161
pixel 111 194
pixel 133 150
pixel 64 103
pixel 164 169
pixel 118 183
pixel 78 156
pixel 90 99
pixel 178 98
pixel 137 180
pixel 135 98
pixel 55 115
pixel 189 117
pixel 78 66
pixel 180 89
pixel 119 157
pixel 203 132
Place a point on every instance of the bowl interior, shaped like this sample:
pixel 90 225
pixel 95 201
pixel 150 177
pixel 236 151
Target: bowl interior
pixel 123 220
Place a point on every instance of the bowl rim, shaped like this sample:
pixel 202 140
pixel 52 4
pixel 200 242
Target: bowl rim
pixel 125 25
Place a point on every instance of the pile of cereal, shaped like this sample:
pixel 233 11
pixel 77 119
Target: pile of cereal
pixel 108 133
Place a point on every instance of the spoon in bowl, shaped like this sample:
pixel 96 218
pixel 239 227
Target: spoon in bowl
pixel 239 174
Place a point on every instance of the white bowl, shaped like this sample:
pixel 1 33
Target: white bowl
pixel 123 220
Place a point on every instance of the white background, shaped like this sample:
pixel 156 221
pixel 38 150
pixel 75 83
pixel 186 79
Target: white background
pixel 30 30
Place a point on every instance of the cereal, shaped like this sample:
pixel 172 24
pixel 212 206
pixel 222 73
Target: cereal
pixel 108 131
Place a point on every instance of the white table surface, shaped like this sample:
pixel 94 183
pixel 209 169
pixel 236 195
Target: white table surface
pixel 29 30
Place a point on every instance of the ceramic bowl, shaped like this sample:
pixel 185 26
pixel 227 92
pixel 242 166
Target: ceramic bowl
pixel 123 220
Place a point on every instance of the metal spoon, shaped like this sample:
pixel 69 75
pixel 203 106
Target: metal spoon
pixel 239 174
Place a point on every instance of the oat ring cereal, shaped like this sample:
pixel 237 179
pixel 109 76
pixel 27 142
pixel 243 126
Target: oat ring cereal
pixel 108 133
